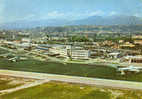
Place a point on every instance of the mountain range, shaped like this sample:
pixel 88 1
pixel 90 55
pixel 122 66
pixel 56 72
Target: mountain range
pixel 93 20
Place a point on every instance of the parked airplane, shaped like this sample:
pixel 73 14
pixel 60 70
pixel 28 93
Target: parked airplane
pixel 130 68
pixel 15 59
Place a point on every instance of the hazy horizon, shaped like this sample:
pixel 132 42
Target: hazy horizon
pixel 66 9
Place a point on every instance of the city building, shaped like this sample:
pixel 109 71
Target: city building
pixel 80 54
pixel 127 44
pixel 70 52
pixel 25 40
pixel 114 55
pixel 59 49
pixel 137 37
pixel 138 42
pixel 134 59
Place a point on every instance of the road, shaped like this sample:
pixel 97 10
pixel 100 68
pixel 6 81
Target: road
pixel 75 79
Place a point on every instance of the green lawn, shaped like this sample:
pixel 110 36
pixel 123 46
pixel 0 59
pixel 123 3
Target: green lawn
pixel 3 51
pixel 57 90
pixel 68 69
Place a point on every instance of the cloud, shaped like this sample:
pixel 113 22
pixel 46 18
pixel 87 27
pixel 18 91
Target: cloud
pixel 71 15
pixel 112 13
pixel 53 15
pixel 96 13
pixel 31 16
pixel 137 15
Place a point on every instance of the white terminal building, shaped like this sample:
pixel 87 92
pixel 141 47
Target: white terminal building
pixel 69 51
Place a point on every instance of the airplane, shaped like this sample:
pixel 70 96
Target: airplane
pixel 130 68
pixel 16 58
pixel 12 59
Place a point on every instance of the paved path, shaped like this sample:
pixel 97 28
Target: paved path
pixel 35 83
pixel 75 79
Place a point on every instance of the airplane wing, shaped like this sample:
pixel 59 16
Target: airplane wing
pixel 138 67
pixel 129 69
pixel 123 69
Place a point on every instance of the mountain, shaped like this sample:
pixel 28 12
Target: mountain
pixel 93 20
pixel 110 20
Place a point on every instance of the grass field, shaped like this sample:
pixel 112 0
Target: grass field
pixel 58 90
pixel 3 51
pixel 68 69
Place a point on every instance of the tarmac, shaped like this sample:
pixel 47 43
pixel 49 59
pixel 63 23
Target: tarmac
pixel 75 79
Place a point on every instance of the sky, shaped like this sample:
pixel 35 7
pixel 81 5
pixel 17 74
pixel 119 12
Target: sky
pixel 16 10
